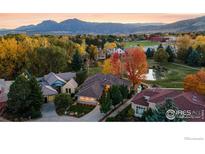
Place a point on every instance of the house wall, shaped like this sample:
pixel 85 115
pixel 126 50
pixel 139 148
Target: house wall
pixel 72 85
pixel 87 100
pixel 134 106
pixel 152 105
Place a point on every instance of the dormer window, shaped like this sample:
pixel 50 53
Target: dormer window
pixel 146 98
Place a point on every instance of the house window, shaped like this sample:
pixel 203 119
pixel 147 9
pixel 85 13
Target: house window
pixel 140 110
pixel 86 99
pixel 68 90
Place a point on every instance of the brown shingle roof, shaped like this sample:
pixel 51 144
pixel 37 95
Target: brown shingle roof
pixel 93 86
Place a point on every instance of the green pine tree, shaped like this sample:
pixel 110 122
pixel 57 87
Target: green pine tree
pixel 77 62
pixel 35 97
pixel 124 91
pixel 194 59
pixel 105 102
pixel 116 95
pixel 171 53
pixel 18 105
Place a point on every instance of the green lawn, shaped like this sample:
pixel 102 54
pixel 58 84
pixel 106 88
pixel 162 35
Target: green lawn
pixel 142 43
pixel 174 76
pixel 94 70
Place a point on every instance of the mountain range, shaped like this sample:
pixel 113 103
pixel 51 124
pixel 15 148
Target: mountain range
pixel 76 26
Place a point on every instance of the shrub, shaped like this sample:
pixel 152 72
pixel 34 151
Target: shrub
pixel 161 55
pixel 62 102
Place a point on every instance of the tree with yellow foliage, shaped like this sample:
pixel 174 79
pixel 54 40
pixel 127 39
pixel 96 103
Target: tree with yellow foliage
pixel 8 57
pixel 199 41
pixel 183 44
pixel 109 46
pixel 106 67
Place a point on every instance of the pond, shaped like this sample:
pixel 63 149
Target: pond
pixel 154 74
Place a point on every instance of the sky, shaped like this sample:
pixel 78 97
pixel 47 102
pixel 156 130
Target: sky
pixel 13 20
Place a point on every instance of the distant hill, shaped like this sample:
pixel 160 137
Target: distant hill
pixel 76 26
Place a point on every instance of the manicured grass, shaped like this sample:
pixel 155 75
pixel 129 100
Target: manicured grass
pixel 174 76
pixel 94 70
pixel 142 43
pixel 79 110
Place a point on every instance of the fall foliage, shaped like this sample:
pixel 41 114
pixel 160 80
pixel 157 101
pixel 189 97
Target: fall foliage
pixel 195 82
pixel 106 67
pixel 183 43
pixel 110 46
pixel 116 64
pixel 135 65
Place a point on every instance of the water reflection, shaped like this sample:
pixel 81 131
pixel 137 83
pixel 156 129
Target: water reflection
pixel 154 74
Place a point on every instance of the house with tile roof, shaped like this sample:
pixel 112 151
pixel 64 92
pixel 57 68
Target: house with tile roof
pixel 53 84
pixel 185 101
pixel 91 90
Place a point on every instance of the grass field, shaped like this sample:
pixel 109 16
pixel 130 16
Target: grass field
pixel 142 43
pixel 174 76
pixel 94 70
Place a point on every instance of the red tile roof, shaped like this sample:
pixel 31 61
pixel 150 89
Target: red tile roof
pixel 183 100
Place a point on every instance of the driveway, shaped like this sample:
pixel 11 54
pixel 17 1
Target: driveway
pixel 49 115
pixel 93 116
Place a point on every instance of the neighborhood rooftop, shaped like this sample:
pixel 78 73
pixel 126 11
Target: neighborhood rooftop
pixel 94 85
pixel 184 100
pixel 158 95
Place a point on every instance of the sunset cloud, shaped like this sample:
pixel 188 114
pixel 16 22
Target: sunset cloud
pixel 13 20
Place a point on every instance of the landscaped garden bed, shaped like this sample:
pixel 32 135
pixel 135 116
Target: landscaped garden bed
pixel 78 110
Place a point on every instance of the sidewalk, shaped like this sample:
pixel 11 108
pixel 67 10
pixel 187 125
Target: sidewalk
pixel 118 110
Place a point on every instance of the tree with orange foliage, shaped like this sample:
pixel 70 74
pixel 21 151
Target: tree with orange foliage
pixel 115 64
pixel 195 82
pixel 200 75
pixel 135 65
pixel 190 82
